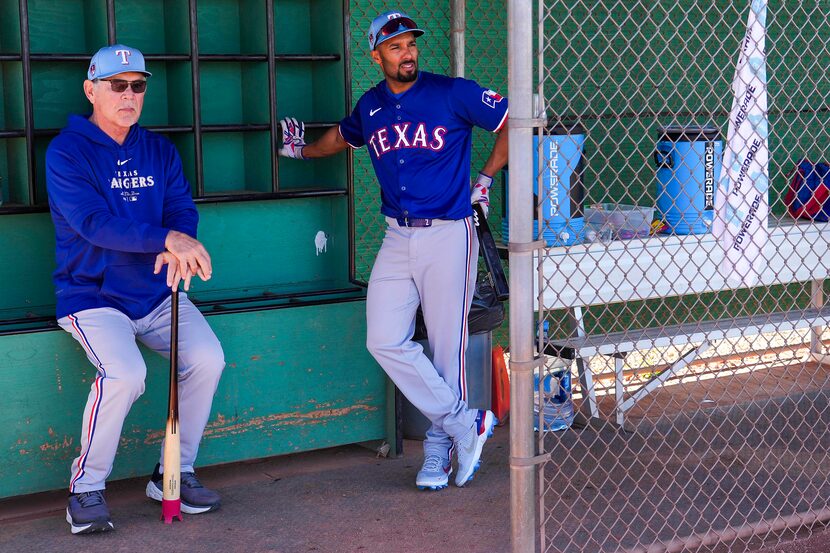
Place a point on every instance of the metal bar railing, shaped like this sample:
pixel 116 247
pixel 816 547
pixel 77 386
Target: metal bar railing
pixel 28 107
pixel 197 97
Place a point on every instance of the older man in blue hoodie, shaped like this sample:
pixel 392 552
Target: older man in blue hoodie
pixel 122 210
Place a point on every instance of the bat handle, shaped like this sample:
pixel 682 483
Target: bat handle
pixel 173 397
pixel 174 327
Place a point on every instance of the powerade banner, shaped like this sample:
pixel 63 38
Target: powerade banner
pixel 709 176
pixel 741 204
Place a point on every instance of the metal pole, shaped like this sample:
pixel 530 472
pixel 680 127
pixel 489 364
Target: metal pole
pixel 457 26
pixel 523 514
pixel 111 38
pixel 539 109
pixel 275 133
pixel 197 97
pixel 28 104
pixel 731 534
pixel 816 300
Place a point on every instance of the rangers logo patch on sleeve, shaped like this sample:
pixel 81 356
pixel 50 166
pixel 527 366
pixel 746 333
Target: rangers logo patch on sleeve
pixel 491 98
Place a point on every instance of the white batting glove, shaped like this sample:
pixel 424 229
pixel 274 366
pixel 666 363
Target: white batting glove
pixel 481 192
pixel 293 138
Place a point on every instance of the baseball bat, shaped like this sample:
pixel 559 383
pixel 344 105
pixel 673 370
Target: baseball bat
pixel 171 505
pixel 491 255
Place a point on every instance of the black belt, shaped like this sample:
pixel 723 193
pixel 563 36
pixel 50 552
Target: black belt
pixel 413 222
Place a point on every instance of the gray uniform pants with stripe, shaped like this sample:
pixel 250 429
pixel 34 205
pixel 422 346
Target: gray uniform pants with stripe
pixel 436 268
pixel 108 338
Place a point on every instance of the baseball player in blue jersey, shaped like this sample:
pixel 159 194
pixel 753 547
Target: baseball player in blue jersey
pixel 417 127
pixel 122 209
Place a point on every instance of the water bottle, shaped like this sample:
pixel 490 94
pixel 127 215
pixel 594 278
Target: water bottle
pixel 558 406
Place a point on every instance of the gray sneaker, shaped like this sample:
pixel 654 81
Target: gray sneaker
pixel 471 444
pixel 195 498
pixel 87 513
pixel 435 472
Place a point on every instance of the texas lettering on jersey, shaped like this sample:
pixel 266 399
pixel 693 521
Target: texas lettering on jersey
pixel 131 179
pixel 420 142
pixel 406 135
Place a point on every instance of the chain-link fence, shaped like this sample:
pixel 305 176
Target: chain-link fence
pixel 700 399
pixel 699 412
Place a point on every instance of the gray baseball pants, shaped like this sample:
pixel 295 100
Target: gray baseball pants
pixel 436 268
pixel 108 338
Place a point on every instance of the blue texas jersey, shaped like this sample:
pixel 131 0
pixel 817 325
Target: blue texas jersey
pixel 420 142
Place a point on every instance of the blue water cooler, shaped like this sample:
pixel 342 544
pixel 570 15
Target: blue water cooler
pixel 562 161
pixel 688 163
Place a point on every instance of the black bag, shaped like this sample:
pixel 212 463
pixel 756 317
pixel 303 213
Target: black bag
pixel 486 311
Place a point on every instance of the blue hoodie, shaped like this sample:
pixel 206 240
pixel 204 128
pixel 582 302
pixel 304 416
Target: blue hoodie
pixel 113 206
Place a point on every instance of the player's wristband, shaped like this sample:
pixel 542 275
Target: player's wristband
pixel 298 150
pixel 484 180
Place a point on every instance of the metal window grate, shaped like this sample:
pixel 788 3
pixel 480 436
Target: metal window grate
pixel 33 65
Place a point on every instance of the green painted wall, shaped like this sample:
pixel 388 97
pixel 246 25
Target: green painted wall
pixel 296 379
pixel 257 248
pixel 26 265
pixel 298 376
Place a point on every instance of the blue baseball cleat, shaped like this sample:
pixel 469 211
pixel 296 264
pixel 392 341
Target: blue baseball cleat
pixel 470 446
pixel 435 472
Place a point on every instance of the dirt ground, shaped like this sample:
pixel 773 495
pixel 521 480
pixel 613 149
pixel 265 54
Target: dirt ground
pixel 343 499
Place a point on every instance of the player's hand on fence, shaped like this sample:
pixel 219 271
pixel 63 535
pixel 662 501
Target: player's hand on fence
pixel 193 258
pixel 293 138
pixel 481 192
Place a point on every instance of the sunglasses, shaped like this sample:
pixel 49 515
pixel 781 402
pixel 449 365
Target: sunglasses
pixel 395 25
pixel 120 85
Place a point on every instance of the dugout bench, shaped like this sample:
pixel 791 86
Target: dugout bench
pixel 664 266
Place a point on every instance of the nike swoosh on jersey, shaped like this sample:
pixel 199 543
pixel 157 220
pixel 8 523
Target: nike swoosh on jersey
pixel 374 111
pixel 120 163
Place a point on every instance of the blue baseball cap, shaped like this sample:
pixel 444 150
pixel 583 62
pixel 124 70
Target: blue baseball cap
pixel 391 24
pixel 115 59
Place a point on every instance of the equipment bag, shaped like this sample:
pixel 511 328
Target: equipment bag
pixel 809 192
pixel 486 312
